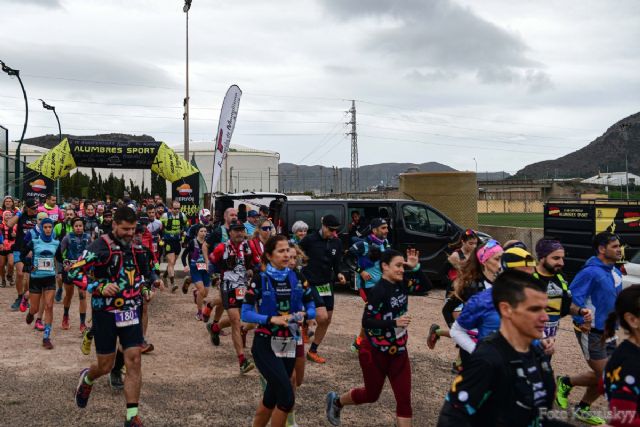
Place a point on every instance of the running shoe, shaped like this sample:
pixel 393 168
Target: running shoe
pixel 85 347
pixel 133 422
pixel 65 322
pixel 46 343
pixel 83 391
pixel 562 393
pixel 58 297
pixel 10 280
pixel 433 336
pixel 83 327
pixel 246 366
pixel 333 412
pixel 199 316
pixel 315 357
pixel 29 318
pixel 16 304
pixel 115 381
pixel 355 345
pixel 585 415
pixel 214 333
pixel 24 303
pixel 174 288
pixel 147 348
pixel 39 325
pixel 186 284
pixel 4 283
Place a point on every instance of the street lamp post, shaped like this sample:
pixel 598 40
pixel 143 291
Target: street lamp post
pixel 52 108
pixel 12 72
pixel 187 6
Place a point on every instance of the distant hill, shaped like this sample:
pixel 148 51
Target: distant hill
pixel 605 153
pixel 298 178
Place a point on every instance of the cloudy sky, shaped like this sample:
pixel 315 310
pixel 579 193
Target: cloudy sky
pixel 505 82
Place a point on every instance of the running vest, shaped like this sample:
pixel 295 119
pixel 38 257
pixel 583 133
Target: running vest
pixel 196 255
pixel 77 245
pixel 173 226
pixel 43 257
pixel 62 229
pixel 269 304
pixel 558 304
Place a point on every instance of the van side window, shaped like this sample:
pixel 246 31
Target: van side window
pixel 308 217
pixel 420 219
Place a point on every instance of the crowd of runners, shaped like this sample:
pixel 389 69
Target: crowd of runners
pixel 275 294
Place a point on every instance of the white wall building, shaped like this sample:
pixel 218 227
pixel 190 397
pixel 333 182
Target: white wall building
pixel 613 179
pixel 244 168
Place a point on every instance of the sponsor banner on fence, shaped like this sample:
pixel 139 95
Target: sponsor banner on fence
pixel 187 192
pixel 36 186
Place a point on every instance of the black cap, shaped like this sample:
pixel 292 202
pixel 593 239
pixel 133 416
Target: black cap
pixel 236 225
pixel 377 222
pixel 330 221
pixel 31 203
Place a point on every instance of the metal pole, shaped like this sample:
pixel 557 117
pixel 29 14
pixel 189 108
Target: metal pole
pixel 12 72
pixel 187 6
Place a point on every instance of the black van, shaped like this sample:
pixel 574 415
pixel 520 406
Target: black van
pixel 576 222
pixel 412 224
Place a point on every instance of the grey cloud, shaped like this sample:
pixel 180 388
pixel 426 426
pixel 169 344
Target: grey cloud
pixel 79 67
pixel 443 35
pixel 52 4
pixel 431 76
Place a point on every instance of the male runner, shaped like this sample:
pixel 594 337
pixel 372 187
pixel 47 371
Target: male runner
pixel 120 269
pixel 174 226
pixel 324 250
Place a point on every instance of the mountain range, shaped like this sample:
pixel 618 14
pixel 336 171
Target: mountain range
pixel 604 154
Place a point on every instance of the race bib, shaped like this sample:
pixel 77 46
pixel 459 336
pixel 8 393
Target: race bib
pixel 126 318
pixel 45 264
pixel 53 217
pixel 240 291
pixel 154 245
pixel 201 266
pixel 324 290
pixel 283 346
pixel 550 329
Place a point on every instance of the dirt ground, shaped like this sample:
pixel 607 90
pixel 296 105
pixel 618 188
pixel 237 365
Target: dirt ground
pixel 187 381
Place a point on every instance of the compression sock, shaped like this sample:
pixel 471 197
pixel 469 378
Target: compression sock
pixel 66 311
pixel 132 410
pixel 119 363
pixel 83 317
pixel 47 331
pixel 241 359
pixel 313 348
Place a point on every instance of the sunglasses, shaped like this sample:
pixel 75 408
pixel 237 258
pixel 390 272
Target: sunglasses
pixel 266 228
pixel 491 244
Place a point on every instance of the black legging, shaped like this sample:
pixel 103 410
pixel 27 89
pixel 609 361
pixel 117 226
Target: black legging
pixel 277 371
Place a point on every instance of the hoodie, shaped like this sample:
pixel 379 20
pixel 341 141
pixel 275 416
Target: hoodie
pixel 596 287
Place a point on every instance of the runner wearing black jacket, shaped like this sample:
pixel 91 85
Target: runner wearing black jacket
pixel 507 380
pixel 324 250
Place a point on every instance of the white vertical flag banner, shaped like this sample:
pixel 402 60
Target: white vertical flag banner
pixel 226 124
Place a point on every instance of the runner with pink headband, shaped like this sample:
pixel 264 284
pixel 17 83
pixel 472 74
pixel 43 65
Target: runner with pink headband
pixel 487 251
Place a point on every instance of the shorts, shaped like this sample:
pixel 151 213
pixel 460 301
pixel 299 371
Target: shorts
pixel 200 276
pixel 300 351
pixel 230 296
pixel 106 334
pixel 16 257
pixel 327 300
pixel 172 246
pixel 37 285
pixel 5 253
pixel 592 346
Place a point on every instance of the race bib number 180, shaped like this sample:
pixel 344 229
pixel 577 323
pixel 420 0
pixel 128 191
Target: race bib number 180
pixel 126 318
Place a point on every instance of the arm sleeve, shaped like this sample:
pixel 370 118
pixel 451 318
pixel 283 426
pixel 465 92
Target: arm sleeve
pixel 372 317
pixel 461 337
pixel 249 313
pixel 417 282
pixel 469 391
pixel 449 308
pixel 216 256
pixel 186 253
pixel 580 290
pixel 309 303
pixel 337 259
pixel 28 247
